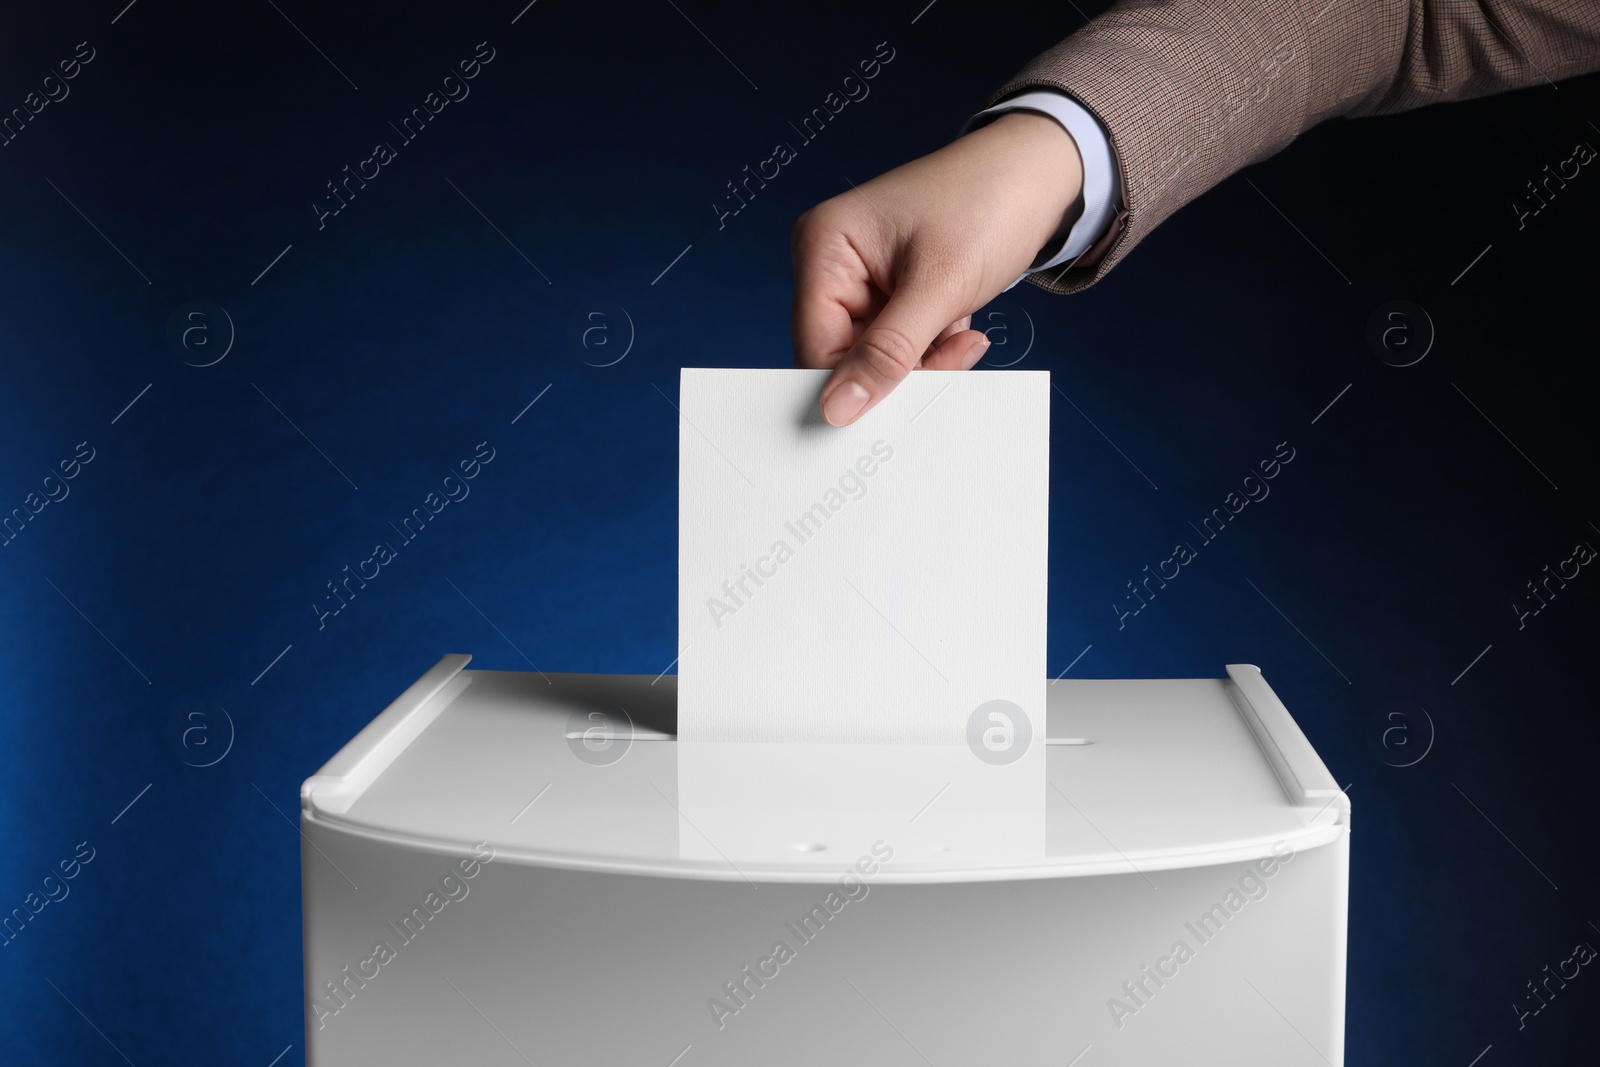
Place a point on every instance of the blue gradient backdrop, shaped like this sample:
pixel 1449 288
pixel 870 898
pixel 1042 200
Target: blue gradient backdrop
pixel 407 330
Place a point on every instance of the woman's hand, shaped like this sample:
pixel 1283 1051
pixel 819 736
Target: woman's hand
pixel 887 275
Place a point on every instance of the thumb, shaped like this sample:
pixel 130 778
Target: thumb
pixel 888 350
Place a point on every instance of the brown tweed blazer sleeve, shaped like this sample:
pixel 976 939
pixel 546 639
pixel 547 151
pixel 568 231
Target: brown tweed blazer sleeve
pixel 1192 90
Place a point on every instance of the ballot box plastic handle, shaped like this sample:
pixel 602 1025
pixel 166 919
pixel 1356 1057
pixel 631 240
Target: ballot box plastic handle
pixel 1304 776
pixel 343 779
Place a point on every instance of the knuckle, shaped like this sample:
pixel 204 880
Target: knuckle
pixel 887 354
pixel 815 231
pixel 828 216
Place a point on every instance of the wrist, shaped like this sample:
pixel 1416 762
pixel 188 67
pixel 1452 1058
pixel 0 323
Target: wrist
pixel 1047 172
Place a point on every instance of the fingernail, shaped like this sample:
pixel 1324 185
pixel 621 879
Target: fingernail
pixel 844 403
pixel 975 353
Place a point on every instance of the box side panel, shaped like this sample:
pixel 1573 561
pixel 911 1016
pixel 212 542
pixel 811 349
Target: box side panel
pixel 1339 945
pixel 383 927
pixel 565 966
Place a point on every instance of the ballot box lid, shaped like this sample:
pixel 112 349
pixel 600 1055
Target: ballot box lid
pixel 584 772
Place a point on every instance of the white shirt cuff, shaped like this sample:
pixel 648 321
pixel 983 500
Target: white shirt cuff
pixel 1101 189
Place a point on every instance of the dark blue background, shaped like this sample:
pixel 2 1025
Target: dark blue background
pixel 408 330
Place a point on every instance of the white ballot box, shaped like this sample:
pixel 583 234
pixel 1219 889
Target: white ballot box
pixel 514 868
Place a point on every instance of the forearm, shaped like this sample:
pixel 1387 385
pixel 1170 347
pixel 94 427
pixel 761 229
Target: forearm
pixel 1190 92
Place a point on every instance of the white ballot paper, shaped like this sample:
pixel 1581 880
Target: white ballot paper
pixel 882 582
